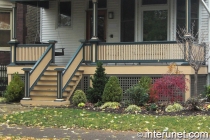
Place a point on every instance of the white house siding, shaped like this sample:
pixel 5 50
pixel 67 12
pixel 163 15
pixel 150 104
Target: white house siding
pixel 113 25
pixel 204 21
pixel 67 37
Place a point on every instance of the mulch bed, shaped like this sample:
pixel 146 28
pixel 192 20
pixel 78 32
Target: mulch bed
pixel 159 112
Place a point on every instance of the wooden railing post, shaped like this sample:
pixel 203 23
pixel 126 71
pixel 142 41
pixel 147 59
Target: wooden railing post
pixel 27 83
pixel 94 46
pixel 53 49
pixel 59 84
pixel 13 44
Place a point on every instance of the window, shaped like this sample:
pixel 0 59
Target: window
pixel 127 20
pixel 155 25
pixel 148 2
pixel 5 29
pixel 64 13
pixel 181 14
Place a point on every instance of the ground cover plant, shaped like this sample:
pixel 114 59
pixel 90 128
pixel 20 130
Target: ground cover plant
pixel 79 118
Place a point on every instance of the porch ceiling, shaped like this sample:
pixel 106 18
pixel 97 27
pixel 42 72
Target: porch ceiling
pixel 35 3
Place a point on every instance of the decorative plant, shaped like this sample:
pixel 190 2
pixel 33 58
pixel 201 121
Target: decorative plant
pixel 194 103
pixel 15 89
pixel 138 94
pixel 145 83
pixel 174 108
pixel 207 92
pixel 112 91
pixel 112 105
pixel 99 80
pixel 81 105
pixel 171 86
pixel 79 97
pixel 133 109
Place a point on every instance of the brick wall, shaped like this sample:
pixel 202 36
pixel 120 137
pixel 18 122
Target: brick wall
pixel 32 25
pixel 21 23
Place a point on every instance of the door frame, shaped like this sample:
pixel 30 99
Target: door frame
pixel 88 22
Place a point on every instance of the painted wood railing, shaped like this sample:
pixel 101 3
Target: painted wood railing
pixel 64 76
pixel 33 75
pixel 29 53
pixel 138 52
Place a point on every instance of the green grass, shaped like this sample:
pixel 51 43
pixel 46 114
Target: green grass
pixel 71 118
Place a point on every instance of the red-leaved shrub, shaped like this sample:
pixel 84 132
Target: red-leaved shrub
pixel 170 87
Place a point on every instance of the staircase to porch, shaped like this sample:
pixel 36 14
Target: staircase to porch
pixel 45 91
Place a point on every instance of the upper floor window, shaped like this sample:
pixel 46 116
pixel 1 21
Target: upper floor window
pixel 148 2
pixel 64 13
pixel 5 29
pixel 181 15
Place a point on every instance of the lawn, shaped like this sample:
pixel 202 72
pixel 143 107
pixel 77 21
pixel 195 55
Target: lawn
pixel 79 118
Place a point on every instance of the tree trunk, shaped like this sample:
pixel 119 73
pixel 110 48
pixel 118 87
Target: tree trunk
pixel 196 83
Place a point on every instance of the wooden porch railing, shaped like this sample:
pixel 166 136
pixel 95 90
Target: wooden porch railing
pixel 29 53
pixel 138 52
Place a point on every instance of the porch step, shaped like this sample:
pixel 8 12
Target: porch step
pixel 44 103
pixel 45 92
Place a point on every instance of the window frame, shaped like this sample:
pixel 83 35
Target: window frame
pixel 153 7
pixel 7 48
pixel 58 13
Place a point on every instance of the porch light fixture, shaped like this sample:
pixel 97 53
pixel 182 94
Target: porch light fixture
pixel 111 15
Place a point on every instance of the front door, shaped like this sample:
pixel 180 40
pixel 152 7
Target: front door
pixel 101 25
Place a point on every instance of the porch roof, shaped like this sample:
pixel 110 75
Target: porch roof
pixel 36 3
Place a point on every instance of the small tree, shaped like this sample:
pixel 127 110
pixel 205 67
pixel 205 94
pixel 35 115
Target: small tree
pixel 195 50
pixel 112 91
pixel 99 81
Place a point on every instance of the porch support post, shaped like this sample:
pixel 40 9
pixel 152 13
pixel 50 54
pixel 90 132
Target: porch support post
pixel 95 20
pixel 27 83
pixel 14 21
pixel 188 16
pixel 53 49
pixel 59 84
pixel 13 45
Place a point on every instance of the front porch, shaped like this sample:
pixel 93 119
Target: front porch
pixel 53 85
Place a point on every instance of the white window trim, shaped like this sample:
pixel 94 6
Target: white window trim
pixel 57 20
pixel 139 17
pixel 8 11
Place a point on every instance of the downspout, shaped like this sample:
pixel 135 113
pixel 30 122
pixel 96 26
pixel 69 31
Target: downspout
pixel 14 20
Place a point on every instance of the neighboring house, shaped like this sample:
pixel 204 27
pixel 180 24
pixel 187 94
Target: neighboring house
pixel 137 38
pixel 27 28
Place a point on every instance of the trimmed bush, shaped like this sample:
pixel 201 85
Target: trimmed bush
pixel 174 108
pixel 112 91
pixel 145 83
pixel 15 89
pixel 112 105
pixel 99 81
pixel 138 94
pixel 79 97
pixel 133 109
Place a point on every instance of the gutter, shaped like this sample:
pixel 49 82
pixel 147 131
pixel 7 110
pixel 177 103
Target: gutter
pixel 206 7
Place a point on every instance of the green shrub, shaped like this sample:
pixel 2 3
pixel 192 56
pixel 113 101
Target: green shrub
pixel 112 91
pixel 15 89
pixel 3 100
pixel 133 109
pixel 174 108
pixel 79 97
pixel 194 103
pixel 81 104
pixel 207 92
pixel 145 83
pixel 99 81
pixel 112 105
pixel 153 107
pixel 138 94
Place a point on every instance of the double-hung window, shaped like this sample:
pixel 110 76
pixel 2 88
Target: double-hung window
pixel 64 13
pixel 5 28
